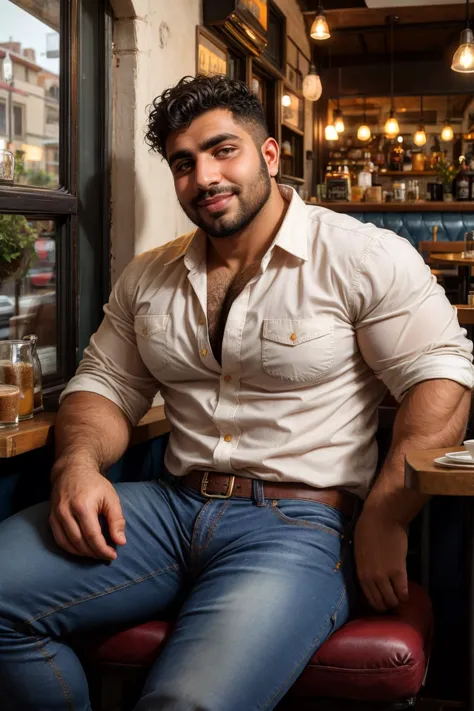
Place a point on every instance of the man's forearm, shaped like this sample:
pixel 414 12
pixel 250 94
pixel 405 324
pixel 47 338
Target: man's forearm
pixel 89 429
pixel 434 414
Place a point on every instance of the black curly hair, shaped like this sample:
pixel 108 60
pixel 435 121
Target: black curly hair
pixel 178 106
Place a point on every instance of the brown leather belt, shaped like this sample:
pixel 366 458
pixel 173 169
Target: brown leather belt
pixel 217 485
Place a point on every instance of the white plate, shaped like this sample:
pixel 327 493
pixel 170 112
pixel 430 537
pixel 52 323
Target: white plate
pixel 444 462
pixel 463 457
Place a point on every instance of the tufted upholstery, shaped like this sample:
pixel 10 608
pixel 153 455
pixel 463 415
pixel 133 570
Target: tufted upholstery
pixel 417 226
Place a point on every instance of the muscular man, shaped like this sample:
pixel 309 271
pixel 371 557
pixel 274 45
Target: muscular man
pixel 272 332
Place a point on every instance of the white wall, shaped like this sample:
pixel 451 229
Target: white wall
pixel 154 46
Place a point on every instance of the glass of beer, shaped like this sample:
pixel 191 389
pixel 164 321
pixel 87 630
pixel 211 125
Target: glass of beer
pixel 9 405
pixel 16 369
pixel 468 245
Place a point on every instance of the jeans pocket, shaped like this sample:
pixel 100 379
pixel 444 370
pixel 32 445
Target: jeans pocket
pixel 310 514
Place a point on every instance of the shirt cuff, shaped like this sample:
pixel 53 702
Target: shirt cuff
pixel 460 370
pixel 132 405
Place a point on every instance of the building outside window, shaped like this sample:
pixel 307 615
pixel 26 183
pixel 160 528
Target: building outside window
pixel 45 110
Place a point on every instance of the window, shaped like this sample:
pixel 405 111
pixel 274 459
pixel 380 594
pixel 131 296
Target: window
pixel 55 286
pixel 17 121
pixel 3 118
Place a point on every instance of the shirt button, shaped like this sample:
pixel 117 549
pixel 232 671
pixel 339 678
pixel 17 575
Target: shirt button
pixel 228 438
pixel 145 332
pixel 227 378
pixel 201 322
pixel 204 352
pixel 293 337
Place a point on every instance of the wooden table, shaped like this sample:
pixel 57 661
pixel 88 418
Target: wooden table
pixel 36 433
pixel 465 265
pixel 426 477
pixel 465 314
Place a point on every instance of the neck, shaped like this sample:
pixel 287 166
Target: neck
pixel 248 246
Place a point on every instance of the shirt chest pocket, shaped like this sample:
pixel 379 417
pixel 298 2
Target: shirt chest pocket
pixel 151 332
pixel 299 350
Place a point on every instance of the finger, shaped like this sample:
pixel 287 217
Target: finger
pixel 115 519
pixel 88 521
pixel 61 538
pixel 74 534
pixel 387 592
pixel 374 597
pixel 400 585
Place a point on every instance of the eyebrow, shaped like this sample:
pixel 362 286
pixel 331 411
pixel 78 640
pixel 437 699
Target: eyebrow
pixel 204 146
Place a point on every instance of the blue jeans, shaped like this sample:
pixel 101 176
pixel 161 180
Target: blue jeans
pixel 259 585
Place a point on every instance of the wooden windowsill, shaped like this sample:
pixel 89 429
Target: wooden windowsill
pixel 36 433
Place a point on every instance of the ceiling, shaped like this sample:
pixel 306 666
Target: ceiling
pixel 360 35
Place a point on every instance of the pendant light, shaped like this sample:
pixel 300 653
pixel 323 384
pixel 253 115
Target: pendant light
pixel 312 87
pixel 363 132
pixel 419 139
pixel 447 133
pixel 391 125
pixel 319 28
pixel 286 100
pixel 463 60
pixel 330 133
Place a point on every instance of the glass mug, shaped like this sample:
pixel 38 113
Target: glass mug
pixel 468 245
pixel 9 406
pixel 16 368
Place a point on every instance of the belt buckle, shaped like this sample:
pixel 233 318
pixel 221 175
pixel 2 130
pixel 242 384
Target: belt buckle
pixel 227 495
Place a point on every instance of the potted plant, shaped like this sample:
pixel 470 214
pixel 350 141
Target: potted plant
pixel 446 173
pixel 17 240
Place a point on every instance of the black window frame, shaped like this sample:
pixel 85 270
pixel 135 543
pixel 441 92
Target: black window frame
pixel 4 104
pixel 80 206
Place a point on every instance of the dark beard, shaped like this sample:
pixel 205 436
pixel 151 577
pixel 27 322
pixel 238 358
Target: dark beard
pixel 259 191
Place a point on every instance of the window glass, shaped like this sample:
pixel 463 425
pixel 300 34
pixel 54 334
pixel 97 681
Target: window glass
pixel 28 284
pixel 29 89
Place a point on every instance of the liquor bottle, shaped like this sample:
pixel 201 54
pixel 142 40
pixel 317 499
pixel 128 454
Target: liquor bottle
pixel 396 157
pixel 461 184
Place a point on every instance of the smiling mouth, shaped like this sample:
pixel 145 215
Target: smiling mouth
pixel 217 203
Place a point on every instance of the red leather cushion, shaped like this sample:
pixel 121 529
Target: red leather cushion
pixel 379 657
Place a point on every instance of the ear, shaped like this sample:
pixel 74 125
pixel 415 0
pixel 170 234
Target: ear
pixel 271 154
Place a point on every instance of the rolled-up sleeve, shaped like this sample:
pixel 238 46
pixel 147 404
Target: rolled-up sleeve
pixel 406 328
pixel 111 365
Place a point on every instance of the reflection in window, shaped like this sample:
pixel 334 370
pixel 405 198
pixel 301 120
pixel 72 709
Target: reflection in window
pixel 29 92
pixel 28 284
pixel 18 121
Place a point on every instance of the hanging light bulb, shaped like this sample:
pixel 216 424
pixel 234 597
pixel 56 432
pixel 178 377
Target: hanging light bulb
pixel 312 87
pixel 319 28
pixel 330 133
pixel 447 134
pixel 338 121
pixel 463 60
pixel 364 132
pixel 391 127
pixel 419 139
pixel 286 100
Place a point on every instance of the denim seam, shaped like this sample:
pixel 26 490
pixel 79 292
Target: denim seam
pixel 301 523
pixel 48 658
pixel 197 529
pixel 213 527
pixel 93 596
pixel 313 647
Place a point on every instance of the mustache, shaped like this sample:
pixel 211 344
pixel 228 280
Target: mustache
pixel 212 192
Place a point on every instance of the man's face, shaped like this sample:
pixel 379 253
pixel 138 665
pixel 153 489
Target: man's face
pixel 221 177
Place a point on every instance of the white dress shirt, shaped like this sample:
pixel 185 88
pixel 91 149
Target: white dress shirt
pixel 338 312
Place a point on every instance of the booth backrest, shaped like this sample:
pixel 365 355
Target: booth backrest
pixel 417 226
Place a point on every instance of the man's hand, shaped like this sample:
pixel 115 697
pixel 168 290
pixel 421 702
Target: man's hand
pixel 381 545
pixel 79 496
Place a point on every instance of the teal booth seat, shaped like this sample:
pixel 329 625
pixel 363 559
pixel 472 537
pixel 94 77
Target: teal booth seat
pixel 417 226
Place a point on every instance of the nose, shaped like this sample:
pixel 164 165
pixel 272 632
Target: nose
pixel 206 172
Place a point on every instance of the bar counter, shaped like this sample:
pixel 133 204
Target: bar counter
pixel 420 206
